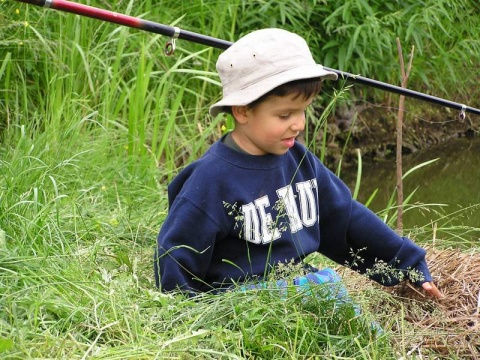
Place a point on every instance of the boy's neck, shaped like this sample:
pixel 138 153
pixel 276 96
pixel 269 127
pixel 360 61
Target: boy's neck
pixel 230 142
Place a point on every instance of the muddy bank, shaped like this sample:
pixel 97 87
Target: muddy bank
pixel 372 129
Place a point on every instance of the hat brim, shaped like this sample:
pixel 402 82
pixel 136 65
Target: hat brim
pixel 253 92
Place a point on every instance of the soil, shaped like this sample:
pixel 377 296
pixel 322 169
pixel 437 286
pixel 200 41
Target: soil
pixel 372 129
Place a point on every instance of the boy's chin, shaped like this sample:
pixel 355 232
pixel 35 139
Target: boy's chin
pixel 280 152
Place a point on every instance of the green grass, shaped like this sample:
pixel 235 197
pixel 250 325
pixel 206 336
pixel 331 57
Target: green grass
pixel 94 122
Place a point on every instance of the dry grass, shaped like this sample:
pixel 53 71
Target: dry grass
pixel 455 325
pixel 443 328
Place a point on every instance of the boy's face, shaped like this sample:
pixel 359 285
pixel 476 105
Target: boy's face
pixel 272 126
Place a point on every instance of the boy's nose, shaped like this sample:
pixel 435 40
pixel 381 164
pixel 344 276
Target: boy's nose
pixel 299 123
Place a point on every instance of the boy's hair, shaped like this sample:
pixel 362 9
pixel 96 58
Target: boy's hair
pixel 305 88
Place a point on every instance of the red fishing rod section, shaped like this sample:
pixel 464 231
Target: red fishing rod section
pixel 175 32
pixel 130 21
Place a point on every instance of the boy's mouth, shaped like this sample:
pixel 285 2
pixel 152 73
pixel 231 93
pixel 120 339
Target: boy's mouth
pixel 289 142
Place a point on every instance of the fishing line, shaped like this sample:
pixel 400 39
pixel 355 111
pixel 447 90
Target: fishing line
pixel 395 109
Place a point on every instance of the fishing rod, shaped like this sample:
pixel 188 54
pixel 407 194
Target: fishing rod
pixel 177 33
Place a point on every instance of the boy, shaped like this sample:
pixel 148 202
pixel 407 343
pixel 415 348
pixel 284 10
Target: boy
pixel 258 198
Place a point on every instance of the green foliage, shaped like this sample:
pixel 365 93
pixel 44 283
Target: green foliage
pixel 112 77
pixel 359 37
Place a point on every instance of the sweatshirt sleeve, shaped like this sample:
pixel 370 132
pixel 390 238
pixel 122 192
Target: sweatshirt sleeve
pixel 385 256
pixel 353 235
pixel 184 266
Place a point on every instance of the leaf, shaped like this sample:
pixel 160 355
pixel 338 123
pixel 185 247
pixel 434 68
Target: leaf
pixel 342 54
pixel 330 44
pixel 4 64
pixel 363 5
pixel 194 335
pixel 353 42
pixel 5 344
pixel 370 199
pixel 359 175
pixel 419 166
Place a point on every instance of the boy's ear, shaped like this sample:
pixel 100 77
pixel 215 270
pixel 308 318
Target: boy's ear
pixel 240 113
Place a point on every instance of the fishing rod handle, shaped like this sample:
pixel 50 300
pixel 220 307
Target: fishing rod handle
pixel 129 21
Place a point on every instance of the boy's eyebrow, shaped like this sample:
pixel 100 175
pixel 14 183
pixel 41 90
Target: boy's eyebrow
pixel 280 109
pixel 289 109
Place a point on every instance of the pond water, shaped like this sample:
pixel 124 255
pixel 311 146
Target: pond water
pixel 453 180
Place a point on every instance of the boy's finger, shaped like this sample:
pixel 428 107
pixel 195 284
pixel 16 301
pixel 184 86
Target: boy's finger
pixel 432 289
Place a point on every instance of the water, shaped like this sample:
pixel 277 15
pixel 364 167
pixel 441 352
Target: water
pixel 453 180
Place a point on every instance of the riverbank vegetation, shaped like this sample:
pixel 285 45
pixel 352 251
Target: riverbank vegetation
pixel 94 122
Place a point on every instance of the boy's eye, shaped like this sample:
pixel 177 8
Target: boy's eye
pixel 284 116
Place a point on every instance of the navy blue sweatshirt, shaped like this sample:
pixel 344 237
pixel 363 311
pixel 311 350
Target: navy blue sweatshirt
pixel 233 216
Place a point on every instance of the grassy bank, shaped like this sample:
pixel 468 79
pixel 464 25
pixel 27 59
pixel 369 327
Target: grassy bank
pixel 79 216
pixel 94 122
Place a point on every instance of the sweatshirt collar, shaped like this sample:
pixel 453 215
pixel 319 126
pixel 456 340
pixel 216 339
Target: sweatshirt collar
pixel 240 159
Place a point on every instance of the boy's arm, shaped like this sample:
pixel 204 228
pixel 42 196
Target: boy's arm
pixel 396 252
pixel 184 248
pixel 383 252
pixel 351 234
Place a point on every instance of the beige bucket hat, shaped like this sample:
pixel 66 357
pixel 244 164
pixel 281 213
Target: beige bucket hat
pixel 259 62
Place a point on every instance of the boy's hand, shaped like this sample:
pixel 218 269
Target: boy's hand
pixel 432 289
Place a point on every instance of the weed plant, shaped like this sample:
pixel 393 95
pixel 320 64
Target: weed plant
pixel 94 122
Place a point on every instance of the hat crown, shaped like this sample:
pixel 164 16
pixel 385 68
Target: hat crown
pixel 259 55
